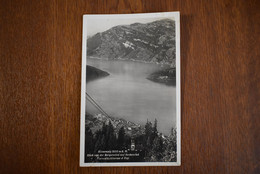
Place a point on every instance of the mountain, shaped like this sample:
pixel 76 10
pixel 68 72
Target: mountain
pixel 93 73
pixel 152 42
pixel 166 76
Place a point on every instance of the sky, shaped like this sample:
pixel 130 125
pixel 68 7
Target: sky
pixel 98 24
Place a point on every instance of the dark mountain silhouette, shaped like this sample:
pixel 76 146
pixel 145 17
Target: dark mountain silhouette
pixel 93 73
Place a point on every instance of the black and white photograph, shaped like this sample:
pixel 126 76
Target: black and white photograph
pixel 130 98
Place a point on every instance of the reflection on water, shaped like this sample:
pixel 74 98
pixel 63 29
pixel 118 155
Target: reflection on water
pixel 127 94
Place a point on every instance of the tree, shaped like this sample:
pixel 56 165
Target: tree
pixel 111 137
pixel 155 127
pixel 148 129
pixel 105 138
pixel 173 139
pixel 121 138
pixel 99 141
pixel 89 144
pixel 154 132
pixel 171 147
pixel 158 148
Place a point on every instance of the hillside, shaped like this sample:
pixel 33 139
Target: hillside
pixel 104 133
pixel 166 76
pixel 151 42
pixel 95 122
pixel 93 73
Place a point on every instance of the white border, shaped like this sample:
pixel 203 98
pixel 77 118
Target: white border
pixel 176 16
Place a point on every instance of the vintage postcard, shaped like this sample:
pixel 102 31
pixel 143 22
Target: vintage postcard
pixel 130 99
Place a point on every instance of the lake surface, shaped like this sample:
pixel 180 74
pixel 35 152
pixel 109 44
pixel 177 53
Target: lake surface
pixel 127 94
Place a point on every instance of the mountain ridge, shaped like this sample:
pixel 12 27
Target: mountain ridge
pixel 153 42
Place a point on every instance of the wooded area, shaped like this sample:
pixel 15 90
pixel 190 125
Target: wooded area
pixel 151 145
pixel 40 81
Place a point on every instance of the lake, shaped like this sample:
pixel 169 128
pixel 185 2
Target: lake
pixel 127 94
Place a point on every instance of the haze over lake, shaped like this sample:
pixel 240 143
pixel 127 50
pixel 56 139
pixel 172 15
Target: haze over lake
pixel 127 94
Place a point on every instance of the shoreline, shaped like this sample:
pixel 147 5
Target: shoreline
pixel 164 76
pixel 93 73
pixel 132 129
pixel 133 60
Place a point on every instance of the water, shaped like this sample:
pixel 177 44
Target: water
pixel 126 93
